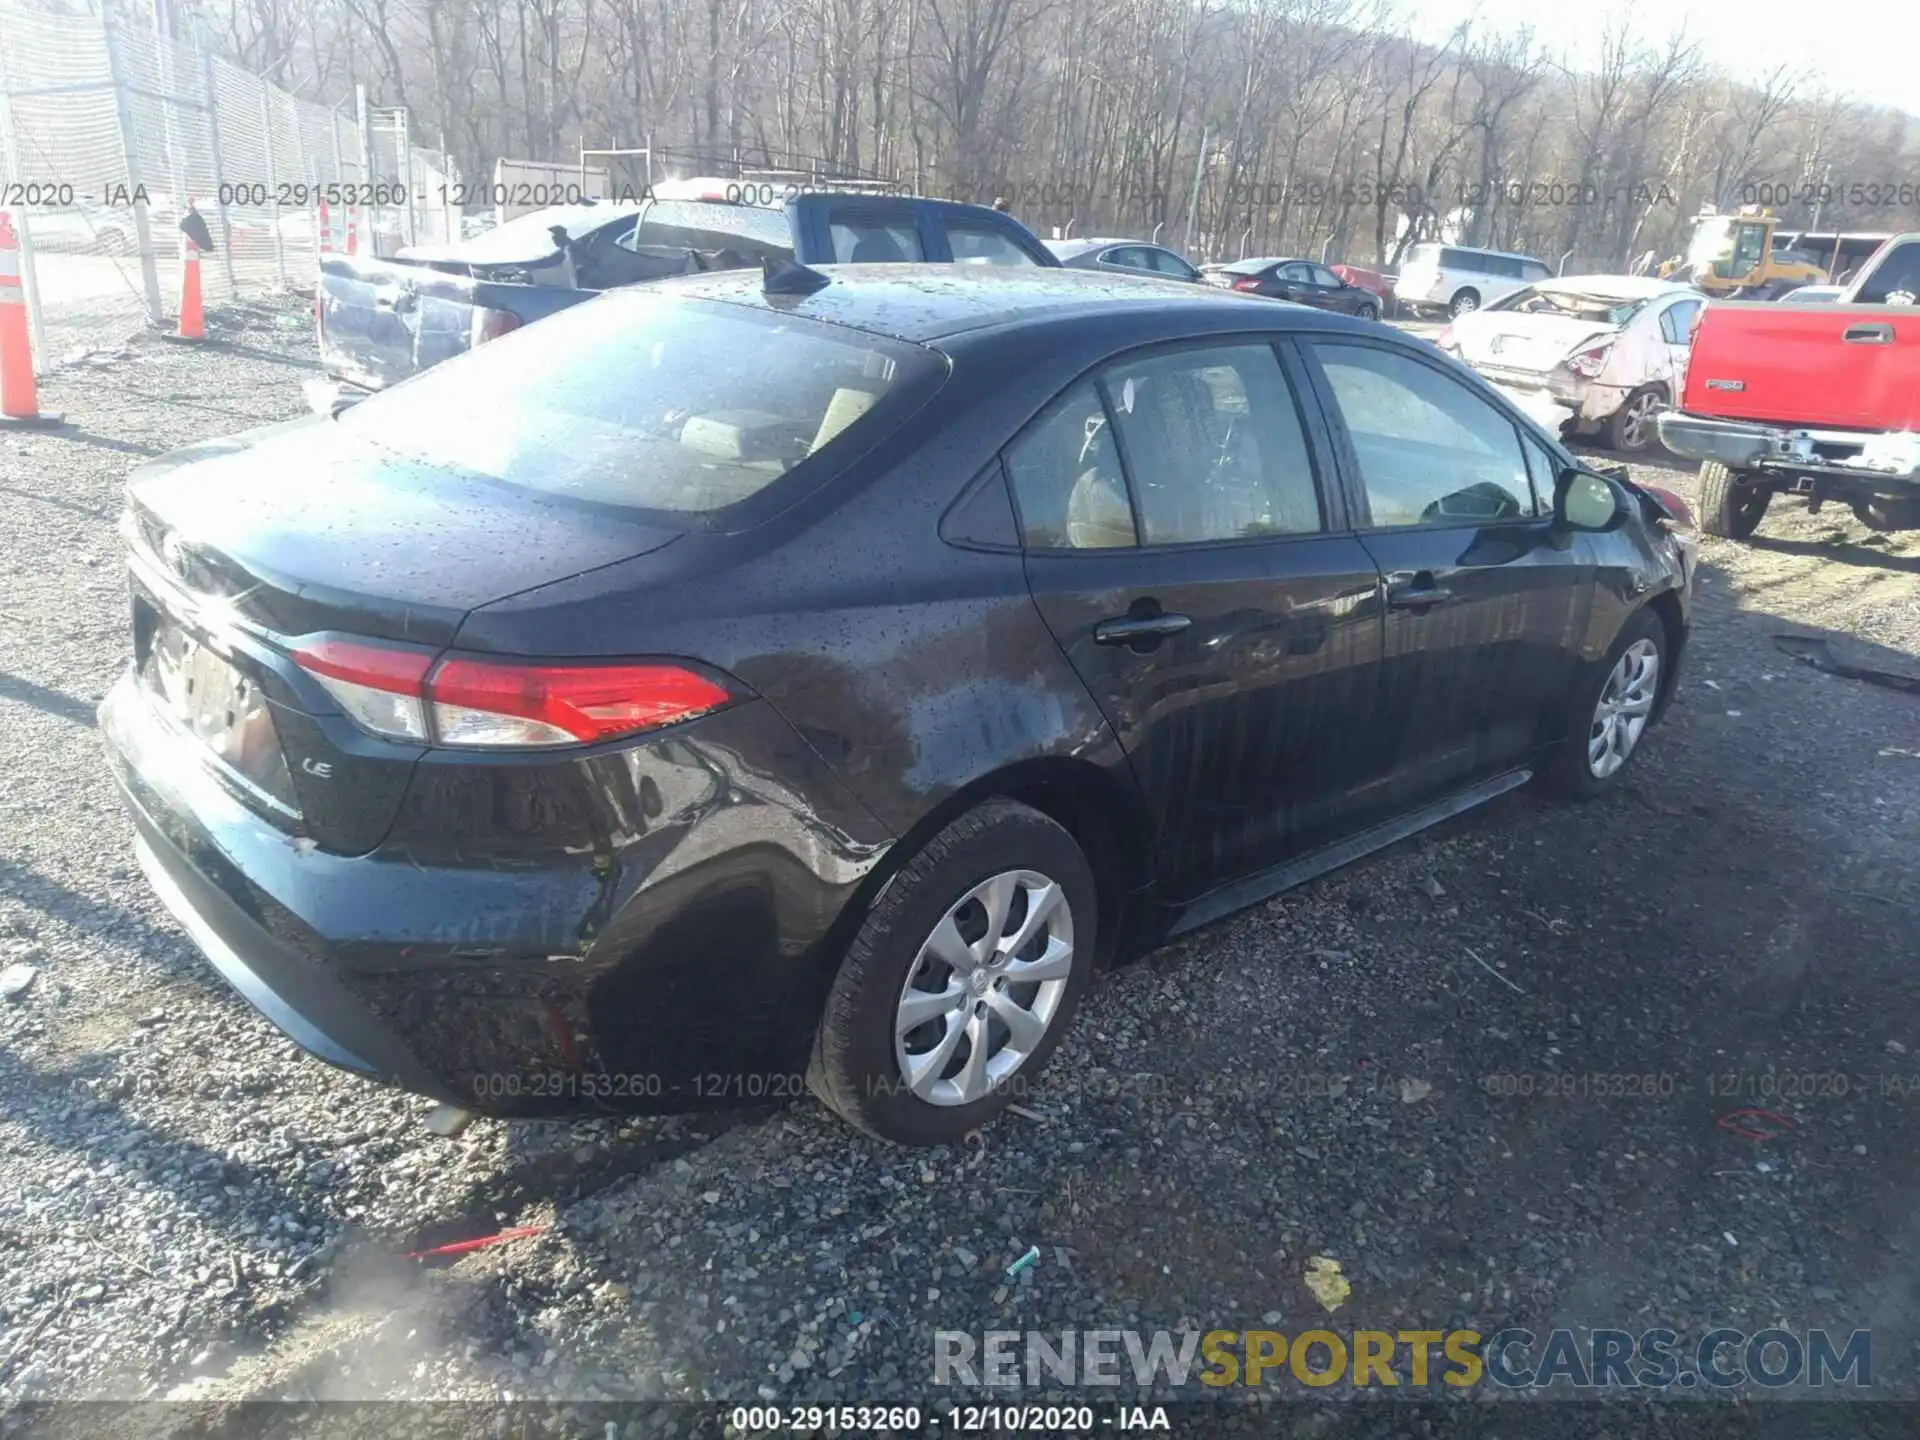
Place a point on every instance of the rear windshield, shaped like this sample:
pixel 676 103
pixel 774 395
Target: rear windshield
pixel 1545 300
pixel 653 402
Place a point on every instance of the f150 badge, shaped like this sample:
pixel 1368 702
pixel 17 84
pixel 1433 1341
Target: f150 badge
pixel 1726 384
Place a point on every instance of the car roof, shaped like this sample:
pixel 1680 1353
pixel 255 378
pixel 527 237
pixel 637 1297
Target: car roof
pixel 924 303
pixel 1080 246
pixel 1620 287
pixel 1479 250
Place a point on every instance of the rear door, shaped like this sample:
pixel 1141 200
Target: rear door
pixel 1203 582
pixel 1484 605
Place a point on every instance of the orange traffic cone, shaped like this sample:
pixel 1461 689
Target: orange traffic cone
pixel 193 315
pixel 325 228
pixel 353 233
pixel 19 399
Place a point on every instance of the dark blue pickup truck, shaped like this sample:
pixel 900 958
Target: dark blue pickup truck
pixel 383 320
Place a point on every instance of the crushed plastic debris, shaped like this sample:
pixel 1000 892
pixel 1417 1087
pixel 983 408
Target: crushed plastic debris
pixel 1328 1285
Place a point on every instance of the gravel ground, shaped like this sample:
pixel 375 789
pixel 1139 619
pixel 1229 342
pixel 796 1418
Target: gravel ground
pixel 189 1208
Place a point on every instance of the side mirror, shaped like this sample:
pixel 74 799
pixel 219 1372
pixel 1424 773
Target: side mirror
pixel 1591 503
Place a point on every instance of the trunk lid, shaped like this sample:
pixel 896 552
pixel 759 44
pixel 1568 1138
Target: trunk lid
pixel 241 547
pixel 1495 340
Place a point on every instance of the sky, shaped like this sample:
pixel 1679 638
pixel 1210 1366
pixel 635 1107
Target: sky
pixel 1871 50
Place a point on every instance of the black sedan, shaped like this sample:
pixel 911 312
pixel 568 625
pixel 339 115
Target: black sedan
pixel 1124 257
pixel 1303 281
pixel 730 686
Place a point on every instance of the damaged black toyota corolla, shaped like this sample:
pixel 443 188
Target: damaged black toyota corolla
pixel 746 682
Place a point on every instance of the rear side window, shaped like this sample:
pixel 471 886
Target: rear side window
pixel 1214 445
pixel 1677 322
pixel 1431 451
pixel 983 245
pixel 1451 259
pixel 651 401
pixel 875 242
pixel 1533 270
pixel 1066 478
pixel 1897 274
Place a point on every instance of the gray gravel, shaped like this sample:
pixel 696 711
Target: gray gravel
pixel 188 1207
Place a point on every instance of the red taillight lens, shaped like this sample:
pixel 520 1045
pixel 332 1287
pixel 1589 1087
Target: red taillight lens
pixel 1247 282
pixel 485 702
pixel 470 701
pixel 492 324
pixel 1445 339
pixel 382 689
pixel 1590 361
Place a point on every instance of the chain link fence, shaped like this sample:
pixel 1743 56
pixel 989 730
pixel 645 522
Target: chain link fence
pixel 110 130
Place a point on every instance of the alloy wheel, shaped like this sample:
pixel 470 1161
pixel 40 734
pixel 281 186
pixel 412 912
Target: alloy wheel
pixel 1637 427
pixel 1625 706
pixel 985 987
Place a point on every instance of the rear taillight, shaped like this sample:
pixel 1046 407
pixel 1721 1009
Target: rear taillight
pixel 1445 338
pixel 1590 361
pixel 483 703
pixel 491 324
pixel 1679 514
pixel 1248 282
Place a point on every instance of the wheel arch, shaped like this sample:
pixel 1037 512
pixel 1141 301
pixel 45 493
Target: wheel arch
pixel 1101 811
pixel 1666 608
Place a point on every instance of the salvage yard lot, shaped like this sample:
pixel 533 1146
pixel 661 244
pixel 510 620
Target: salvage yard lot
pixel 1360 1069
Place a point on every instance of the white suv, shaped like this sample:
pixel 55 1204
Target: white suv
pixel 1457 279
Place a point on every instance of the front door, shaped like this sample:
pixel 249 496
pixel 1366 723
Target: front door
pixel 1203 584
pixel 1485 602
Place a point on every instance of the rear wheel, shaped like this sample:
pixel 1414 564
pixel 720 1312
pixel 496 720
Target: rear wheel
pixel 1634 429
pixel 1465 303
pixel 1731 504
pixel 1611 711
pixel 961 980
pixel 1368 312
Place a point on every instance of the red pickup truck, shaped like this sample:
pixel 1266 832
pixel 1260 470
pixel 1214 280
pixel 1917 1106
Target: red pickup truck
pixel 1821 400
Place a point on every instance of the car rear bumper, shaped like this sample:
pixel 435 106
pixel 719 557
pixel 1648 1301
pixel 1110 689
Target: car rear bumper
pixel 1850 461
pixel 678 968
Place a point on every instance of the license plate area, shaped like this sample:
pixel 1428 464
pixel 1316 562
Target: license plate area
pixel 222 711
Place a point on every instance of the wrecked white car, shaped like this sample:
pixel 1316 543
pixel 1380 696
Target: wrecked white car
pixel 1586 353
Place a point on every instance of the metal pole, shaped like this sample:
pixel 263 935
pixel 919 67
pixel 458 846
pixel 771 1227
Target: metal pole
pixel 273 189
pixel 219 172
pixel 1193 200
pixel 366 169
pixel 404 146
pixel 142 225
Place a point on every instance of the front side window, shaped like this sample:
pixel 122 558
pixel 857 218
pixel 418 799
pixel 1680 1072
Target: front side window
pixel 1168 263
pixel 983 245
pixel 875 242
pixel 1130 257
pixel 1214 445
pixel 1067 480
pixel 647 400
pixel 1431 451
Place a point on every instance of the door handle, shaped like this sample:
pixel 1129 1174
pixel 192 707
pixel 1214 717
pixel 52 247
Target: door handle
pixel 1143 632
pixel 1868 335
pixel 1417 593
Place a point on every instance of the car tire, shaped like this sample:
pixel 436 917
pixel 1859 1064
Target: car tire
pixel 1611 711
pixel 1000 851
pixel 1464 303
pixel 1632 429
pixel 1729 507
pixel 1367 312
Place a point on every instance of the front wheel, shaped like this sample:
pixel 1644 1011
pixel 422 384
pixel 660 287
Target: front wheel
pixel 961 980
pixel 1611 711
pixel 1730 504
pixel 1465 303
pixel 1368 312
